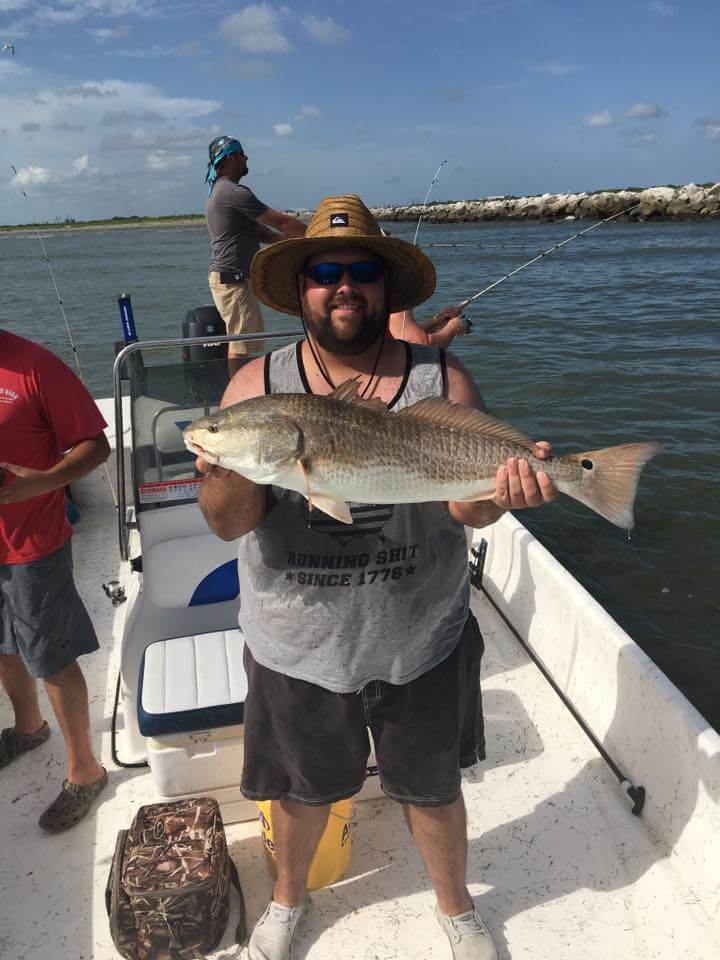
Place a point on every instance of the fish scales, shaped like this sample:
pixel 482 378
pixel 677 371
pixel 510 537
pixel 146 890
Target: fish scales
pixel 340 448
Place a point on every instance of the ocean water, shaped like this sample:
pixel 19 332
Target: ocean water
pixel 615 338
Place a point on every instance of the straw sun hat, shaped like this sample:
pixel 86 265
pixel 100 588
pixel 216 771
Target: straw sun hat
pixel 340 222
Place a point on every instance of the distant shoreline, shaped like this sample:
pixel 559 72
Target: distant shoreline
pixel 688 202
pixel 118 223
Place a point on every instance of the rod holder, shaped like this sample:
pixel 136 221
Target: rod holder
pixel 636 794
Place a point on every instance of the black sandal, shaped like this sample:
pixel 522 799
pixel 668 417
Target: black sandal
pixel 72 804
pixel 12 744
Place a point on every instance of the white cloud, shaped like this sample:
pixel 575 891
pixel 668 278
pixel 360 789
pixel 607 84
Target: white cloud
pixel 144 120
pixel 325 30
pixel 601 119
pixel 307 113
pixel 256 29
pixel 283 129
pixel 101 34
pixel 641 139
pixel 190 48
pixel 31 176
pixel 661 8
pixel 643 109
pixel 553 68
pixel 711 126
pixel 162 160
pixel 10 68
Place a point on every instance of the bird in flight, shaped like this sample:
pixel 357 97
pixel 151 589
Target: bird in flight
pixel 8 46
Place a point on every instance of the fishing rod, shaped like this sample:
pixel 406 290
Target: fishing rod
pixel 482 246
pixel 437 320
pixel 425 201
pixel 417 227
pixel 46 258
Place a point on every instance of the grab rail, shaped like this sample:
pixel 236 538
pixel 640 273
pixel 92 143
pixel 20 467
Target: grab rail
pixel 124 523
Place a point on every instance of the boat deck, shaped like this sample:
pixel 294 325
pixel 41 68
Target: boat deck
pixel 558 866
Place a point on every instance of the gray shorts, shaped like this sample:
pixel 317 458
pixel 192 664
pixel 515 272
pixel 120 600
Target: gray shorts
pixel 41 614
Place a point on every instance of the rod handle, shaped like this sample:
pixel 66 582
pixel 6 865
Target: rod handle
pixel 440 319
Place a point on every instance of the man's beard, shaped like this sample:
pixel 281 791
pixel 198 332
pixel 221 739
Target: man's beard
pixel 371 325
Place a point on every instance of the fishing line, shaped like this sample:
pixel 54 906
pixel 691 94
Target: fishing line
pixel 483 246
pixel 46 258
pixel 543 253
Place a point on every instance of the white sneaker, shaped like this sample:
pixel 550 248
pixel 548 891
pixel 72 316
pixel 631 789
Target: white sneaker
pixel 274 933
pixel 469 938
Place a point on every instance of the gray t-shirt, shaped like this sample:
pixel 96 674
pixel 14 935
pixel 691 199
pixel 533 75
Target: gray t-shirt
pixel 231 212
pixel 338 605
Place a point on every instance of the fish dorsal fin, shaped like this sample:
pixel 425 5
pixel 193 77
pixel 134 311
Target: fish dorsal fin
pixel 443 413
pixel 347 392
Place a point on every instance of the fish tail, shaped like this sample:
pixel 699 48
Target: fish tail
pixel 610 478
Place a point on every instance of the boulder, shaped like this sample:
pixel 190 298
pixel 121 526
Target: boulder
pixel 689 189
pixel 710 206
pixel 657 194
pixel 697 200
pixel 678 207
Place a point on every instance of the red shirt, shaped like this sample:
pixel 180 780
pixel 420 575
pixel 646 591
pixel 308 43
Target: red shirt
pixel 44 411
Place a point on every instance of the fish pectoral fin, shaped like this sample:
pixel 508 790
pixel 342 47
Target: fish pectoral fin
pixel 477 496
pixel 337 509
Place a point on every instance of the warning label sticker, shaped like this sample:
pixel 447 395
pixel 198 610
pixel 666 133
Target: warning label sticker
pixel 166 491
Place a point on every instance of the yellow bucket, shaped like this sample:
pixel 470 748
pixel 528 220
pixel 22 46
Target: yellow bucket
pixel 332 856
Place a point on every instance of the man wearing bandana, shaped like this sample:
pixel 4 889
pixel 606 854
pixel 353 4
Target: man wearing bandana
pixel 238 223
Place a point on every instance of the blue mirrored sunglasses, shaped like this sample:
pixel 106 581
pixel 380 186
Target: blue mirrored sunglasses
pixel 327 274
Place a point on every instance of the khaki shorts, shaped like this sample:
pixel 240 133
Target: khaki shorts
pixel 237 305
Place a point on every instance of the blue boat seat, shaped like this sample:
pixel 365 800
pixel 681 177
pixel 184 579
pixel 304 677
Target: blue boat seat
pixel 192 683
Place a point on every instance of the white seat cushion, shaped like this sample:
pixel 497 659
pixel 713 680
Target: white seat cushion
pixel 192 683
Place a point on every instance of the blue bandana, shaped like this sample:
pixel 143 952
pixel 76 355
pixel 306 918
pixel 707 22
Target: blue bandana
pixel 230 145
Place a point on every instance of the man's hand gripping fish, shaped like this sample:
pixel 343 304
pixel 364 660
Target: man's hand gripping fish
pixel 339 448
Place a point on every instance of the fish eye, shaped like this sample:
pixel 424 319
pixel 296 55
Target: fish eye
pixel 213 428
pixel 587 464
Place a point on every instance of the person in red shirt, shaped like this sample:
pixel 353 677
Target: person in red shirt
pixel 51 433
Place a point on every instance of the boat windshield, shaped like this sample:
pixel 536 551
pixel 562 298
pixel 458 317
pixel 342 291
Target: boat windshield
pixel 169 386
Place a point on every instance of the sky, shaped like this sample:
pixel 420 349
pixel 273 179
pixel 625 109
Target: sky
pixel 107 106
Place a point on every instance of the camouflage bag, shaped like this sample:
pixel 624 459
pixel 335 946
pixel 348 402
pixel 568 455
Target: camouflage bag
pixel 168 892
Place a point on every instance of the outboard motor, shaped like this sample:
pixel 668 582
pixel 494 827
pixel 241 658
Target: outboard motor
pixel 206 369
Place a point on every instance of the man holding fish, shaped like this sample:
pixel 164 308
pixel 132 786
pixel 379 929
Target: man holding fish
pixel 349 479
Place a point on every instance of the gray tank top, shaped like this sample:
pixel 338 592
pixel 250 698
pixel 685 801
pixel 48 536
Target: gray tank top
pixel 338 605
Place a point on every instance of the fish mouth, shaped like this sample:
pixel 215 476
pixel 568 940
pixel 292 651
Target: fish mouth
pixel 195 448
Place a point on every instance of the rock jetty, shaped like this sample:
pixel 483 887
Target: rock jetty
pixel 654 203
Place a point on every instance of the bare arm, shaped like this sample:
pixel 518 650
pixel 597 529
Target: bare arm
pixel 404 326
pixel 232 505
pixel 283 222
pixel 516 486
pixel 266 235
pixel 77 463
